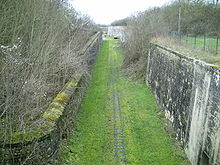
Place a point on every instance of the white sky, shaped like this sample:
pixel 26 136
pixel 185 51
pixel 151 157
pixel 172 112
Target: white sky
pixel 107 11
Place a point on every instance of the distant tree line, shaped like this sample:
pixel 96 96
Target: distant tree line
pixel 122 22
pixel 196 16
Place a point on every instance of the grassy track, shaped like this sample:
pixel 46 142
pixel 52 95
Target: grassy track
pixel 93 141
pixel 147 141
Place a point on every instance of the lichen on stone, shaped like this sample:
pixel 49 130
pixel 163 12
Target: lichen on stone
pixel 54 111
pixel 215 66
pixel 36 133
pixel 71 84
pixel 74 81
pixel 61 98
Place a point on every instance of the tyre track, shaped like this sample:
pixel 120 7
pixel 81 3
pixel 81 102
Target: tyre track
pixel 118 125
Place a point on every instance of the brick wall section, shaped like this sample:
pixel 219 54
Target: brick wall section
pixel 188 90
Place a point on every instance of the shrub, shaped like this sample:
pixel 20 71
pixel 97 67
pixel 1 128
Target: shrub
pixel 40 47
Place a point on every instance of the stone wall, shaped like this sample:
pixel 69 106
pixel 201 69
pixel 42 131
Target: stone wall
pixel 188 90
pixel 41 145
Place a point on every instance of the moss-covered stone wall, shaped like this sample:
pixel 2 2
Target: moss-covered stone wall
pixel 41 145
pixel 188 90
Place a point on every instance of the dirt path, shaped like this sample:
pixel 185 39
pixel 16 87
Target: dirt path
pixel 118 121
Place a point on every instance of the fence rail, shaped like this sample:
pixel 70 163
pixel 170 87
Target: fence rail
pixel 204 42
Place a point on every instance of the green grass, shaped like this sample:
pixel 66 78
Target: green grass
pixel 91 142
pixel 147 142
pixel 199 42
pixel 189 50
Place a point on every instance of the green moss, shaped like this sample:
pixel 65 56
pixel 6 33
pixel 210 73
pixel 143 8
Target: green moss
pixel 71 84
pixel 50 116
pixel 61 98
pixel 55 104
pixel 37 133
pixel 54 111
pixel 215 66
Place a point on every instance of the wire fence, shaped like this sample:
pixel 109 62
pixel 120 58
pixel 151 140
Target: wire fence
pixel 205 42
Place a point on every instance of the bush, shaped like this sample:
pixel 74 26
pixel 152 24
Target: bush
pixel 40 47
pixel 136 47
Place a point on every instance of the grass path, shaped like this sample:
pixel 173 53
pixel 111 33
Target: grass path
pixel 112 101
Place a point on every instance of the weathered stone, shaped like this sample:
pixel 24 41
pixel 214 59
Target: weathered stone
pixel 188 90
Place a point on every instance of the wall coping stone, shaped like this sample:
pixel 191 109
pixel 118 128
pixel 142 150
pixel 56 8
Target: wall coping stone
pixel 211 67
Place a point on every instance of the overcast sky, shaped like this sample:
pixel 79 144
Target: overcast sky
pixel 107 11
